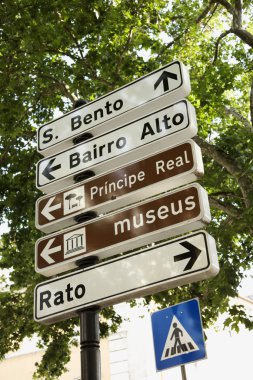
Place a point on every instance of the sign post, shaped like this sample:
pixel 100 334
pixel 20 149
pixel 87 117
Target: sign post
pixel 89 334
pixel 115 159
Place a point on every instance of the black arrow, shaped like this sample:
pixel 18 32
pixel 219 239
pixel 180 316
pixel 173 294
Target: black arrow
pixel 49 168
pixel 192 254
pixel 165 79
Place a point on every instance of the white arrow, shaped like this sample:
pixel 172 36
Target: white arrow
pixel 47 251
pixel 46 212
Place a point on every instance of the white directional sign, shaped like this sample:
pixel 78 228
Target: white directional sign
pixel 182 210
pixel 180 261
pixel 139 180
pixel 152 133
pixel 157 89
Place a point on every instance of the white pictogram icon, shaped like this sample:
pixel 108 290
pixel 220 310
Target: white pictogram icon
pixel 178 341
pixel 74 243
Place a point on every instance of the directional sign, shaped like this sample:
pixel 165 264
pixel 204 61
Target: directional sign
pixel 178 334
pixel 144 178
pixel 157 89
pixel 129 276
pixel 159 130
pixel 182 210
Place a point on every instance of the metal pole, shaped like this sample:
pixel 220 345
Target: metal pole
pixel 183 372
pixel 89 336
pixel 89 318
pixel 90 344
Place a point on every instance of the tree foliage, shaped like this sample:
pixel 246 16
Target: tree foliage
pixel 53 52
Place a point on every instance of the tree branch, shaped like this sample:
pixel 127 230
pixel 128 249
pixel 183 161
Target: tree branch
pixel 124 50
pixel 237 15
pixel 227 5
pixel 228 209
pixel 224 34
pixel 251 103
pixel 244 35
pixel 204 12
pixel 238 116
pixel 212 151
pixel 236 29
pixel 62 86
pixel 230 165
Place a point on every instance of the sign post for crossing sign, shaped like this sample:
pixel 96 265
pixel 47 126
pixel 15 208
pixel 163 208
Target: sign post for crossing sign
pixel 129 276
pixel 151 133
pixel 157 89
pixel 141 179
pixel 182 210
pixel 178 335
pixel 108 170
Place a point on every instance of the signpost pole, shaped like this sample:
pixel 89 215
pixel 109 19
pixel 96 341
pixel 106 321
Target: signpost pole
pixel 89 325
pixel 90 344
pixel 183 372
pixel 90 336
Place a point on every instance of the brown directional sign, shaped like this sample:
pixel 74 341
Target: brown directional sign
pixel 179 211
pixel 141 179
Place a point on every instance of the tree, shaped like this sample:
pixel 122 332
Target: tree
pixel 55 52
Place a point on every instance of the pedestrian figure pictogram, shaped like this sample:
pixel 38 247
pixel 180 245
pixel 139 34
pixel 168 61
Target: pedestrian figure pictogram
pixel 178 341
pixel 176 333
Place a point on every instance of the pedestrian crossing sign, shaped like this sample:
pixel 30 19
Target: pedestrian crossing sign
pixel 178 335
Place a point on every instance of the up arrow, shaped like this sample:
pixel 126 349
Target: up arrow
pixel 165 79
pixel 192 254
pixel 46 212
pixel 48 251
pixel 49 168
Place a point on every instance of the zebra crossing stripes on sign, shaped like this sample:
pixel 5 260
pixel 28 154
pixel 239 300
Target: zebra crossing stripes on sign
pixel 177 335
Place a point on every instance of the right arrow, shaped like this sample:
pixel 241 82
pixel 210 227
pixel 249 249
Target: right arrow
pixel 192 254
pixel 49 168
pixel 165 79
pixel 48 251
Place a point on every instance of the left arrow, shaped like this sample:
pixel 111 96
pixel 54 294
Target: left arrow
pixel 49 168
pixel 48 208
pixel 49 250
pixel 192 254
